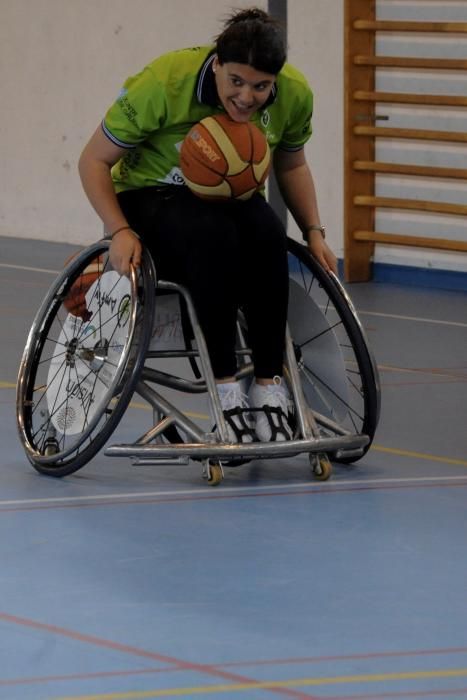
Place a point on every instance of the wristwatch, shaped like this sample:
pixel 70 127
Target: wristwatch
pixel 314 227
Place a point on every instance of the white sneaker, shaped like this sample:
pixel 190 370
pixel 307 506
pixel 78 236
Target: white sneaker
pixel 273 409
pixel 236 412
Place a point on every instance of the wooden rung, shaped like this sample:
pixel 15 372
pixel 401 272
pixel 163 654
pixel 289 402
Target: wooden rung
pixel 403 169
pixel 406 98
pixel 385 132
pixel 409 62
pixel 405 240
pixel 392 26
pixel 417 204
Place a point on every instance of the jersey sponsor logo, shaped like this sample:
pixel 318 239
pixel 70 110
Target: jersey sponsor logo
pixel 129 162
pixel 128 110
pixel 306 126
pixel 265 118
pixel 174 177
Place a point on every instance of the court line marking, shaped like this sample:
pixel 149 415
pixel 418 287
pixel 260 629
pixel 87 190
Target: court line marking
pixel 288 489
pixel 88 676
pixel 29 269
pixel 147 407
pixel 455 373
pixel 273 685
pixel 132 404
pixel 420 319
pixel 419 455
pixel 240 682
pixel 378 448
pixel 179 664
pixel 312 660
pixel 381 314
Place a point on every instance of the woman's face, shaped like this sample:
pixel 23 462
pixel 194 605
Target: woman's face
pixel 241 88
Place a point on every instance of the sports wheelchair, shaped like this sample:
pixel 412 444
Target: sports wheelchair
pixel 99 337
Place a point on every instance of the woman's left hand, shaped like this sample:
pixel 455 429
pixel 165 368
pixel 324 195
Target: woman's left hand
pixel 322 252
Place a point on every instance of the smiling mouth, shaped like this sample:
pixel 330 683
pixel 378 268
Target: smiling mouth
pixel 242 108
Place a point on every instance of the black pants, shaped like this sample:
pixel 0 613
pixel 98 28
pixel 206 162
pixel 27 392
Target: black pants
pixel 228 255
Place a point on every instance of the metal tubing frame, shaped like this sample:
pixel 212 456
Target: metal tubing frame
pixel 169 411
pixel 204 445
pixel 227 451
pixel 207 372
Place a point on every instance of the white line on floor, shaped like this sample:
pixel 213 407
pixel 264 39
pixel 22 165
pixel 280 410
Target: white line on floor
pixel 359 311
pixel 412 318
pixel 30 269
pixel 235 489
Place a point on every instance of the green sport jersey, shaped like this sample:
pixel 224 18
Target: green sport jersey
pixel 157 107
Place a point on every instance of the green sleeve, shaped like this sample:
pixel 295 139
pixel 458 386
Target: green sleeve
pixel 298 128
pixel 139 110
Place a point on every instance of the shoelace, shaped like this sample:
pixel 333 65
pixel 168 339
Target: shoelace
pixel 277 398
pixel 233 398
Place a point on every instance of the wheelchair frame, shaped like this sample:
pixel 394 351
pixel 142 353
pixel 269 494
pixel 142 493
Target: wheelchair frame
pixel 45 410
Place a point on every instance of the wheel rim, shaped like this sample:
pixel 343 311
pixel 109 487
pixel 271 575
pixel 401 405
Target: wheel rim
pixel 338 374
pixel 71 386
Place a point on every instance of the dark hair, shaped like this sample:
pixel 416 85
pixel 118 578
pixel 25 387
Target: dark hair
pixel 252 37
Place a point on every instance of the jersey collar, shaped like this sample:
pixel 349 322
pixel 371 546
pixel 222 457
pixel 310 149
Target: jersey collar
pixel 206 90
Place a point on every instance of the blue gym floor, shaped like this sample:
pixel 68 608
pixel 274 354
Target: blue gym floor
pixel 130 582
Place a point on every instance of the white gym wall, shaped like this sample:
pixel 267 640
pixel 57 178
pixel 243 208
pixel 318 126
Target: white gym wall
pixel 62 63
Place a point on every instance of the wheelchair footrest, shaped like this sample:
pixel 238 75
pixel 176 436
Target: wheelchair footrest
pixel 348 454
pixel 160 453
pixel 162 462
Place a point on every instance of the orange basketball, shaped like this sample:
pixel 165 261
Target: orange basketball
pixel 75 300
pixel 224 159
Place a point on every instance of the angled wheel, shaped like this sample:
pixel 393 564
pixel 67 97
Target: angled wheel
pixel 320 466
pixel 215 473
pixel 82 359
pixel 339 376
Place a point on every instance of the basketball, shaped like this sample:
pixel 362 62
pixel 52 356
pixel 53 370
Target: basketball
pixel 224 159
pixel 75 300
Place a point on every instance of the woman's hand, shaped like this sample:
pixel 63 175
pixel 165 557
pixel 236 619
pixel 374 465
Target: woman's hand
pixel 95 165
pixel 125 249
pixel 321 251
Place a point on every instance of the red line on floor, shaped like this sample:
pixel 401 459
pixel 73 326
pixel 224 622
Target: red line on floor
pixel 86 676
pixel 143 653
pixel 351 657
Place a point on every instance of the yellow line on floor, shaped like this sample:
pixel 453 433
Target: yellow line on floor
pixel 293 682
pixel 133 404
pixel 147 407
pixel 377 448
pixel 419 455
pixel 436 371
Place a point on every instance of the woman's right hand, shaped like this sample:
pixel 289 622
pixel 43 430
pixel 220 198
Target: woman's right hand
pixel 125 249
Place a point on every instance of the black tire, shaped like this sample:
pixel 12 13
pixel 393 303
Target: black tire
pixel 79 369
pixel 346 386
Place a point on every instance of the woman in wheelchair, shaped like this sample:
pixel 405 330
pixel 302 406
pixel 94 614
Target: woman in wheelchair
pixel 228 254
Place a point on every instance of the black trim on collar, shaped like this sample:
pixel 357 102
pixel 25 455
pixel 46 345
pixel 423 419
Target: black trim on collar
pixel 206 91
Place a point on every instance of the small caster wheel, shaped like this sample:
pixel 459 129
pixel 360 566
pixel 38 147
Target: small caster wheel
pixel 50 447
pixel 320 466
pixel 215 474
